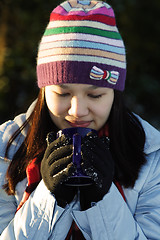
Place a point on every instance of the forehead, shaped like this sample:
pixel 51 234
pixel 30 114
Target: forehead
pixel 85 86
pixel 79 87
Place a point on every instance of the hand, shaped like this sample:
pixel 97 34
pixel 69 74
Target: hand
pixel 97 163
pixel 56 167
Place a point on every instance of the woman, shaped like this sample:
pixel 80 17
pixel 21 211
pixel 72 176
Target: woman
pixel 81 71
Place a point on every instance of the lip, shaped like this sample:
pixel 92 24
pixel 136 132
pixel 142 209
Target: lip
pixel 79 123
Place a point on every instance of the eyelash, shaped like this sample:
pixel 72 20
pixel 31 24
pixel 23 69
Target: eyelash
pixel 95 96
pixel 89 95
pixel 63 94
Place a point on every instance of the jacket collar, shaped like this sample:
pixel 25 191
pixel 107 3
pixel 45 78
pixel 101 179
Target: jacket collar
pixel 152 137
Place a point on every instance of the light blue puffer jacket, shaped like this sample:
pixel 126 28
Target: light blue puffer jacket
pixel 112 218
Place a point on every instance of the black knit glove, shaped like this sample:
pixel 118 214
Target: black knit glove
pixel 56 167
pixel 97 163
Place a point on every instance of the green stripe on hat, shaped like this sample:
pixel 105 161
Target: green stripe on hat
pixel 85 30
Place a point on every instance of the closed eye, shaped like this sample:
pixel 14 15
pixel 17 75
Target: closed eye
pixel 95 96
pixel 63 94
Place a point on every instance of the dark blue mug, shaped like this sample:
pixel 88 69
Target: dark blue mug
pixel 79 178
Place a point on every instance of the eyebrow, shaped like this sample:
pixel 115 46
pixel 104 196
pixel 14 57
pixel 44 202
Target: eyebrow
pixel 63 86
pixel 90 87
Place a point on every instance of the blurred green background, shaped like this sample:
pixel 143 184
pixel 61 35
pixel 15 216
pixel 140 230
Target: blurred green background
pixel 22 24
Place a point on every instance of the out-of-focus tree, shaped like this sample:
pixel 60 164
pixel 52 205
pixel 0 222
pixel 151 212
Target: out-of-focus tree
pixel 22 24
pixel 3 38
pixel 139 23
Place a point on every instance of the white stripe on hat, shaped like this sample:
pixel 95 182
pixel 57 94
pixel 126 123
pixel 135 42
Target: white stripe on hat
pixel 82 58
pixel 81 36
pixel 85 23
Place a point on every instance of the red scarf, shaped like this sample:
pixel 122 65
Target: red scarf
pixel 33 177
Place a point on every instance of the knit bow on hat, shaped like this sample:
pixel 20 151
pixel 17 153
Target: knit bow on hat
pixel 110 76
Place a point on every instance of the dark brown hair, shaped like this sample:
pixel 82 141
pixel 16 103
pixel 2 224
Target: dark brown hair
pixel 126 134
pixel 39 124
pixel 127 138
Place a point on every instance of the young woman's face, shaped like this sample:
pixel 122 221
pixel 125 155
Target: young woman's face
pixel 79 105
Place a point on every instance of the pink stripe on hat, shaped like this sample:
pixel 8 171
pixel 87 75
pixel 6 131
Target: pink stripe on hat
pixel 103 10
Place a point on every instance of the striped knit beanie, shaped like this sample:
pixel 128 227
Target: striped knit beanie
pixel 82 44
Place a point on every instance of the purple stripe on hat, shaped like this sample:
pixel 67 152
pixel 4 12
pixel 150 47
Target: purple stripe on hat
pixel 102 10
pixel 60 10
pixel 76 72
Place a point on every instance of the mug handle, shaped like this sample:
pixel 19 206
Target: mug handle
pixel 77 150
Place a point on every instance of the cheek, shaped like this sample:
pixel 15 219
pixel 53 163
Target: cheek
pixel 103 110
pixel 55 106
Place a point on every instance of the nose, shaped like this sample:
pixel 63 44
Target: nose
pixel 78 107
